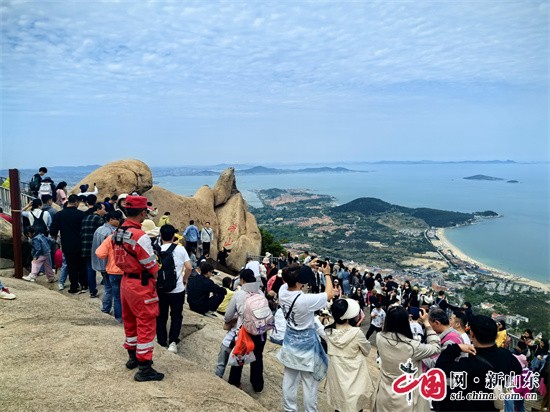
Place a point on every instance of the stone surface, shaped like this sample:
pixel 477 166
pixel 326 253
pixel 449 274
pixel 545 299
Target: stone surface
pixel 122 176
pixel 6 263
pixel 65 340
pixel 5 231
pixel 238 231
pixel 225 187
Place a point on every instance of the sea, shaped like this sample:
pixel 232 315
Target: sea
pixel 518 242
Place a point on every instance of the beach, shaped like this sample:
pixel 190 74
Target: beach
pixel 444 243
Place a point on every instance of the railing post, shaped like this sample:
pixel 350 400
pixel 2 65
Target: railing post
pixel 15 196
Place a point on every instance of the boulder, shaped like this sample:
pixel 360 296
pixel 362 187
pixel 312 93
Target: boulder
pixel 6 235
pixel 238 231
pixel 122 176
pixel 225 187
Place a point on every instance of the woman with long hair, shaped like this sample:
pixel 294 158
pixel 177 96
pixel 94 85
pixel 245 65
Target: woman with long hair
pixel 397 347
pixel 61 193
pixel 349 385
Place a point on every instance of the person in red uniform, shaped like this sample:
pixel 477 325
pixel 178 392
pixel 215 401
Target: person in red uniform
pixel 134 255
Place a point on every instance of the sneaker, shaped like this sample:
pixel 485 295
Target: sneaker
pixel 173 348
pixel 74 291
pixel 61 286
pixel 93 295
pixel 52 280
pixel 6 294
pixel 211 314
pixel 29 278
pixel 83 290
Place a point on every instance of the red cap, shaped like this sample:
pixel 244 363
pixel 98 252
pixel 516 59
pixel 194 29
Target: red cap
pixel 136 202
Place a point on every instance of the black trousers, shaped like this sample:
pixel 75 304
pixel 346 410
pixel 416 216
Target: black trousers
pixel 256 367
pixel 211 304
pixel 371 330
pixel 190 246
pixel 173 302
pixel 76 269
pixel 205 248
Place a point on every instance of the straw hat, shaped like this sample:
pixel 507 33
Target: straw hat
pixel 150 229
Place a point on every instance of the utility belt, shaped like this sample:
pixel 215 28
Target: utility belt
pixel 144 276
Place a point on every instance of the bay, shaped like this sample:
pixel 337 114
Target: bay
pixel 518 242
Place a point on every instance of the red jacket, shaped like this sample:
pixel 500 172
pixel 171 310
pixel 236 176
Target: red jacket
pixel 133 250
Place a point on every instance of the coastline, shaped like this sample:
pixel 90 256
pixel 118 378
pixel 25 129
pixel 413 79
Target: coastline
pixel 444 243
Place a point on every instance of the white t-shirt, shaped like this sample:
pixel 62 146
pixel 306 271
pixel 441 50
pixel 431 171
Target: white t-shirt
pixel 302 316
pixel 254 266
pixel 378 321
pixel 416 329
pixel 180 257
pixel 465 338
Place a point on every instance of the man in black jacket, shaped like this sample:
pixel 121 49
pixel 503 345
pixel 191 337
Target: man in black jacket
pixel 479 369
pixel 69 223
pixel 199 289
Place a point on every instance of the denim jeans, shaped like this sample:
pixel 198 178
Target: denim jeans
pixel 223 358
pixel 92 282
pixel 509 405
pixel 63 276
pixel 111 295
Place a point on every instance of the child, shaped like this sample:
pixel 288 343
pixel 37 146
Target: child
pixel 349 385
pixel 225 350
pixel 226 283
pixel 41 249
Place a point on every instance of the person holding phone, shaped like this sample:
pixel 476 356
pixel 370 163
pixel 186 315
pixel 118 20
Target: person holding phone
pixel 396 346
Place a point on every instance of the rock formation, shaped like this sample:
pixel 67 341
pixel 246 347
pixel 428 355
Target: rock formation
pixel 123 176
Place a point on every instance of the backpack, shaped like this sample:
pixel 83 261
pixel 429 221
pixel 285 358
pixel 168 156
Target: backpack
pixel 257 316
pixel 38 224
pixel 45 189
pixel 167 279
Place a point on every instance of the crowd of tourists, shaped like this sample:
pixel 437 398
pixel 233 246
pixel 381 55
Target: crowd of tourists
pixel 314 308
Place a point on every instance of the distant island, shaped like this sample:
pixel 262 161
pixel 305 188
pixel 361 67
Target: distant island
pixel 512 181
pixel 261 170
pixel 482 177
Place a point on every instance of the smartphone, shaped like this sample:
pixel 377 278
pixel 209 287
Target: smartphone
pixel 414 311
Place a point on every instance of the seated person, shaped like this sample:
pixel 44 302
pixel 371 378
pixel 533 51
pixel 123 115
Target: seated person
pixel 203 295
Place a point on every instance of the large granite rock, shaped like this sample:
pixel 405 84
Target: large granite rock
pixel 5 231
pixel 238 231
pixel 225 187
pixel 122 176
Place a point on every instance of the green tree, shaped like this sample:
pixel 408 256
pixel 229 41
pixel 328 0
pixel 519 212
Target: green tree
pixel 269 244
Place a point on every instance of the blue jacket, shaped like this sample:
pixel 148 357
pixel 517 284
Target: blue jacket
pixel 40 246
pixel 191 233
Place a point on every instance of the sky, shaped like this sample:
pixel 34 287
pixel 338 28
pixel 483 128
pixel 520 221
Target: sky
pixel 186 83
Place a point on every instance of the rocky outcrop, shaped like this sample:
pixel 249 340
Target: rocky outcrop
pixel 123 176
pixel 5 231
pixel 225 187
pixel 238 231
pixel 224 207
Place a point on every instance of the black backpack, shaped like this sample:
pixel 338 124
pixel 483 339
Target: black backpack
pixel 167 276
pixel 39 225
pixel 34 184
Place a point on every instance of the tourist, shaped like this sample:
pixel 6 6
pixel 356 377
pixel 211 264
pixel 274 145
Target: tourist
pixel 191 235
pixel 41 255
pixel 344 277
pixel 90 224
pixel 172 301
pixel 396 346
pixel 302 354
pixel 540 355
pixel 488 357
pixel 226 283
pixel 222 256
pixel 61 193
pixel 235 309
pixel 34 184
pixel 458 322
pixel 47 201
pixel 134 255
pixel 349 385
pixel 164 219
pixel 35 213
pixel 440 323
pixel 441 301
pixel 68 222
pixel 103 261
pixel 207 237
pixel 203 295
pixel 337 289
pixel 520 388
pixel 377 317
pixel 501 334
pixel 84 190
pixel 91 201
pixel 254 266
pixel 121 204
pixel 467 309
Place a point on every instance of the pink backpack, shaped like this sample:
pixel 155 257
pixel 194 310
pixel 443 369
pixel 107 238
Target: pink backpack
pixel 257 316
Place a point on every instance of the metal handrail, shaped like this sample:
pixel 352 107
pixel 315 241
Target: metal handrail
pixel 5 201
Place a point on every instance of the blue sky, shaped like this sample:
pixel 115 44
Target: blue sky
pixel 183 83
